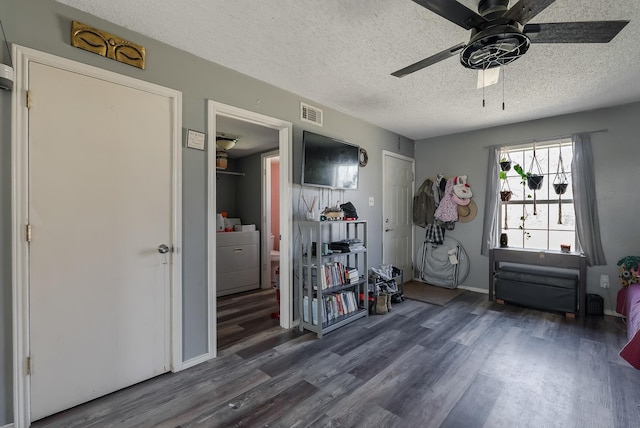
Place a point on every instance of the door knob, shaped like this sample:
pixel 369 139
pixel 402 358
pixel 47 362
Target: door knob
pixel 163 249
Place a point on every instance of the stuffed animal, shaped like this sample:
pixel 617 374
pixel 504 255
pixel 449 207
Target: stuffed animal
pixel 460 187
pixel 629 270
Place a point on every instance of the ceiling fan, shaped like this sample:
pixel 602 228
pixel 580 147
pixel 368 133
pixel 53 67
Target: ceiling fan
pixel 501 35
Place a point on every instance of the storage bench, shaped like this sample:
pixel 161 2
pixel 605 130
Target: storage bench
pixel 538 288
pixel 549 280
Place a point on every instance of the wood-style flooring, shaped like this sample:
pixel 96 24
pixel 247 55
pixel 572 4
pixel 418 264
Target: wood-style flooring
pixel 243 315
pixel 470 364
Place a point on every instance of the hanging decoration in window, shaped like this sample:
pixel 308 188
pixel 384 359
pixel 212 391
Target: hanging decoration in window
pixel 534 181
pixel 505 196
pixel 560 184
pixel 505 162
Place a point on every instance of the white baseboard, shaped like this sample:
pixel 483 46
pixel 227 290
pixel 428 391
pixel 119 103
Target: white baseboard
pixel 474 289
pixel 8 426
pixel 613 313
pixel 197 360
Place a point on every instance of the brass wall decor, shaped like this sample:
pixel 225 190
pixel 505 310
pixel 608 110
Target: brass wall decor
pixel 106 44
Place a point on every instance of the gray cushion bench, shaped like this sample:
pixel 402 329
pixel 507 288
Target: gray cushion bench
pixel 537 287
pixel 547 280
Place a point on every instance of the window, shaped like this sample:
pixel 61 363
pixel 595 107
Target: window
pixel 541 219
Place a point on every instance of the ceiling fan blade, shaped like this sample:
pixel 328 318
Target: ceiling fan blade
pixel 525 10
pixel 454 12
pixel 574 32
pixel 429 61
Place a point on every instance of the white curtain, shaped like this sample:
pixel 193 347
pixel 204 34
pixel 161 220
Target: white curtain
pixel 491 203
pixel 584 200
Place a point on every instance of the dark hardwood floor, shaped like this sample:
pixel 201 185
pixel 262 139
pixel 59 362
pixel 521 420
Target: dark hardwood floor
pixel 470 364
pixel 243 315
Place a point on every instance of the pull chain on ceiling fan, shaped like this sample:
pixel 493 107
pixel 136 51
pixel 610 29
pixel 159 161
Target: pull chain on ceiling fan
pixel 501 35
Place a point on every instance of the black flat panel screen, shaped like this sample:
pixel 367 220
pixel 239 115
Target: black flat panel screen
pixel 327 162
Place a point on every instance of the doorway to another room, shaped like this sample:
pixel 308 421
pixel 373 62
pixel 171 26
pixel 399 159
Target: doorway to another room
pixel 271 220
pixel 250 173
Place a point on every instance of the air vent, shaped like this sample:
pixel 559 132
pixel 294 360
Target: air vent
pixel 310 114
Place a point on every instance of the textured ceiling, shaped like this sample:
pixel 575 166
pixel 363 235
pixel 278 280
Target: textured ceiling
pixel 340 53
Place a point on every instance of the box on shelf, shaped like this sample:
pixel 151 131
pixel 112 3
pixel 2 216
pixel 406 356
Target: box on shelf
pixel 244 227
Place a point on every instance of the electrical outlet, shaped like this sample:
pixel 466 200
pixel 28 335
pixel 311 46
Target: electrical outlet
pixel 370 201
pixel 604 281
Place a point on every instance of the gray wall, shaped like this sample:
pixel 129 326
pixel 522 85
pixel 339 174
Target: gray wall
pixel 617 173
pixel 249 190
pixel 226 190
pixel 45 25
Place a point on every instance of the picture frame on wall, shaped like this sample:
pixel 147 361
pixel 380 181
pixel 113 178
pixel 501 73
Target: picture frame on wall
pixel 195 139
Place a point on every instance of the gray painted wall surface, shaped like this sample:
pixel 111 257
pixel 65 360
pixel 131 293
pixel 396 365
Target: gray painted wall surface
pixel 617 172
pixel 45 25
pixel 226 190
pixel 249 191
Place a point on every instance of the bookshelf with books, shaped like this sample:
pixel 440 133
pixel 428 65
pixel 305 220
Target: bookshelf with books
pixel 332 279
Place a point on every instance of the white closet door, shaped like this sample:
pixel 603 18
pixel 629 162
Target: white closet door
pixel 99 206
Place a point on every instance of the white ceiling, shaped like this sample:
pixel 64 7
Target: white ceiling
pixel 340 53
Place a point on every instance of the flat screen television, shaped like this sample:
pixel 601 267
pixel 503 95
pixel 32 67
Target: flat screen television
pixel 327 162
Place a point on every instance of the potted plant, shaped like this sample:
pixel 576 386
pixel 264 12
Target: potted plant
pixel 505 191
pixel 560 188
pixel 505 164
pixel 534 181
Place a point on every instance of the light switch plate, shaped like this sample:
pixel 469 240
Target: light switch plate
pixel 371 200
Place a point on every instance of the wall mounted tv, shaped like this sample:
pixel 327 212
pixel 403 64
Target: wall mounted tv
pixel 327 162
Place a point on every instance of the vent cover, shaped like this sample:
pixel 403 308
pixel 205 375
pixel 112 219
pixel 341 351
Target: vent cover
pixel 310 114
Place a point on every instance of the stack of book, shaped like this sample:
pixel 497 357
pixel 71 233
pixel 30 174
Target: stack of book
pixel 352 275
pixel 347 245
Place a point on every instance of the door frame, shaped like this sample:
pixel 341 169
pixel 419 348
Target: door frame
pixel 285 138
pixel 385 155
pixel 265 161
pixel 20 213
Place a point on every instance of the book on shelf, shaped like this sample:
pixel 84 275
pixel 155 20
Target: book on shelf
pixel 314 310
pixel 347 245
pixel 334 306
pixel 352 275
pixel 332 274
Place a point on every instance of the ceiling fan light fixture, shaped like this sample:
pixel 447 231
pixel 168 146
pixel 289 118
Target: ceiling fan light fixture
pixel 225 143
pixel 494 47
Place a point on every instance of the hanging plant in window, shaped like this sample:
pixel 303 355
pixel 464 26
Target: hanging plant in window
pixel 505 189
pixel 560 184
pixel 505 163
pixel 505 195
pixel 534 181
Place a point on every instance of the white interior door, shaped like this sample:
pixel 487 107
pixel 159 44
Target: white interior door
pixel 99 206
pixel 397 215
